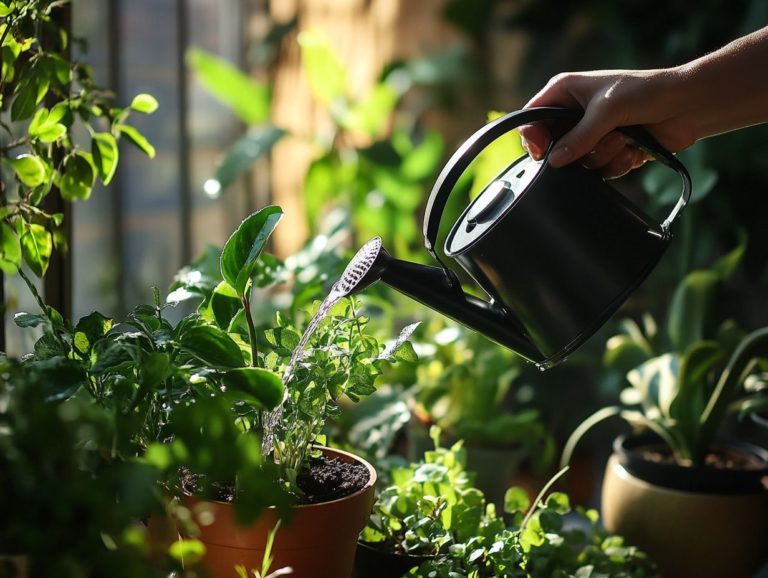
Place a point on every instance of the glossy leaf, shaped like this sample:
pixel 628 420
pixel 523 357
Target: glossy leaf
pixel 90 329
pixel 145 103
pixel 29 168
pixel 255 386
pixel 137 139
pixel 241 252
pixel 212 346
pixel 248 99
pixel 25 100
pixel 36 247
pixel 257 142
pixel 105 155
pixel 224 304
pixel 10 250
pixel 77 179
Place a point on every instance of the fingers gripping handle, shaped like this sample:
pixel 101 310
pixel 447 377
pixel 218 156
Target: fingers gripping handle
pixel 469 151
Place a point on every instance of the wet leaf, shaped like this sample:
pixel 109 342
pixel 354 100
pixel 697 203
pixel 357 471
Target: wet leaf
pixel 242 250
pixel 255 386
pixel 212 346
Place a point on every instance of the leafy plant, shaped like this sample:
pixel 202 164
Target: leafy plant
pixel 467 387
pixel 433 508
pixel 684 395
pixel 62 134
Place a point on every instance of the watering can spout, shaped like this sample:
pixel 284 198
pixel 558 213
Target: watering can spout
pixel 440 289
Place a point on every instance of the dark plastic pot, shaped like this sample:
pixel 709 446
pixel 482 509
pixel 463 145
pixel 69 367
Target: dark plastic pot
pixel 370 562
pixel 688 478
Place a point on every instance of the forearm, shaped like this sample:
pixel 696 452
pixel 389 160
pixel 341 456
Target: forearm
pixel 727 89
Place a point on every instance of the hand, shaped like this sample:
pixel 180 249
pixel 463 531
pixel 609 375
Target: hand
pixel 610 99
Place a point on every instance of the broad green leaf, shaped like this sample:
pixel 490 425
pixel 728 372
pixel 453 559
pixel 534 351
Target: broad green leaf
pixel 559 502
pixel 495 157
pixel 29 168
pixel 155 368
pixel 36 247
pixel 516 500
pixel 10 250
pixel 89 329
pixel 5 9
pixel 690 310
pixel 326 74
pixel 212 346
pixel 25 100
pixel 257 142
pixel 224 304
pixel 105 155
pixel 137 139
pixel 255 386
pixel 45 127
pixel 23 319
pixel 77 179
pixel 248 99
pixel 51 132
pixel 145 103
pixel 240 253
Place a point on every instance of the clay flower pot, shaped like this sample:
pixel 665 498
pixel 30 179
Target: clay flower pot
pixel 703 522
pixel 318 542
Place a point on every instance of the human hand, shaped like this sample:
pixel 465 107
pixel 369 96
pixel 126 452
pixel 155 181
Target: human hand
pixel 611 99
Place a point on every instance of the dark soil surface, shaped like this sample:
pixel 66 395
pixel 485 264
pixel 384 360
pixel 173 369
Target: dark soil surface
pixel 721 458
pixel 324 480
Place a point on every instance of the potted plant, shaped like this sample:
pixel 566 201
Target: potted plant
pixel 678 487
pixel 431 506
pixel 310 372
pixel 433 509
pixel 469 388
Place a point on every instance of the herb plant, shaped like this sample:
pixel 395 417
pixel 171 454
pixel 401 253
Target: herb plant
pixel 432 508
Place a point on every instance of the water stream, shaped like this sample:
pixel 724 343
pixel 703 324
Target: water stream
pixel 354 272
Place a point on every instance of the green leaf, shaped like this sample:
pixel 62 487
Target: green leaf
pixel 77 179
pixel 25 101
pixel 155 368
pixel 187 551
pixel 5 9
pixel 516 500
pixel 224 304
pixel 36 247
pixel 137 139
pixel 10 250
pixel 559 502
pixel 371 114
pixel 212 346
pixel 255 386
pixel 145 103
pixel 690 310
pixel 326 74
pixel 23 319
pixel 257 142
pixel 105 155
pixel 241 252
pixel 90 329
pixel 248 99
pixel 29 168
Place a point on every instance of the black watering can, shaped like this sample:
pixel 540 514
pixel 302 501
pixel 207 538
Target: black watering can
pixel 557 251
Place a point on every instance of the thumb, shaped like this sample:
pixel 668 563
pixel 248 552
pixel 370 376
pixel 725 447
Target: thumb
pixel 580 140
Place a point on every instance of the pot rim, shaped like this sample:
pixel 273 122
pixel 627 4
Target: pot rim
pixel 373 476
pixel 697 479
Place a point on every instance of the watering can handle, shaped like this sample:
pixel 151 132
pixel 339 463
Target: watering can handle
pixel 468 151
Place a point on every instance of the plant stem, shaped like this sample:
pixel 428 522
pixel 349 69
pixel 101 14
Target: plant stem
pixel 251 331
pixel 540 498
pixel 35 294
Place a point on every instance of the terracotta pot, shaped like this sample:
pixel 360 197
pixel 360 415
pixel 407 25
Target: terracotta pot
pixel 707 530
pixel 370 562
pixel 318 542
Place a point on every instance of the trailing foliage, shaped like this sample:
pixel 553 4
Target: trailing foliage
pixel 60 136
